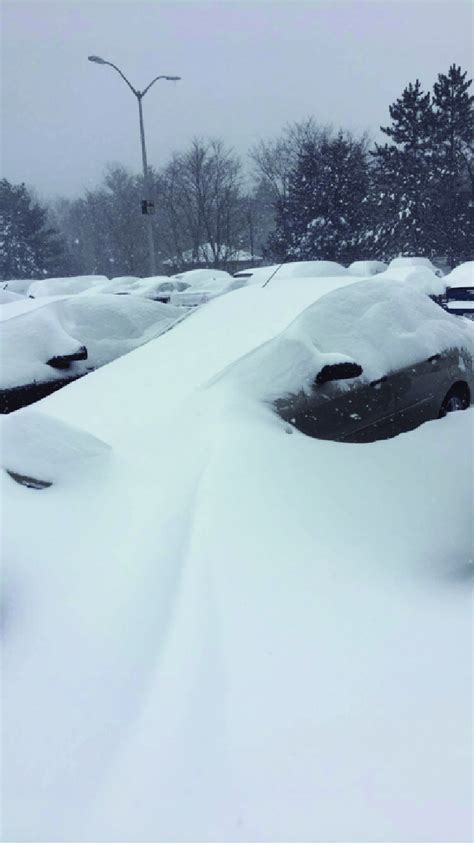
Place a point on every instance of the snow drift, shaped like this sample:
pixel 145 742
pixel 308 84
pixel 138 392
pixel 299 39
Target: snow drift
pixel 216 631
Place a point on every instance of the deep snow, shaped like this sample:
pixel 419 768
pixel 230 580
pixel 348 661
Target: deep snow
pixel 215 630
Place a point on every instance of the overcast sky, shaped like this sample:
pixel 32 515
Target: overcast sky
pixel 247 68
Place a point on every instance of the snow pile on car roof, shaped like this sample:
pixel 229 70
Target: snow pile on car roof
pixel 461 276
pixel 380 327
pixel 64 286
pixel 366 268
pixel 32 332
pixel 312 269
pixel 411 261
pixel 149 288
pixel 204 277
pixel 421 278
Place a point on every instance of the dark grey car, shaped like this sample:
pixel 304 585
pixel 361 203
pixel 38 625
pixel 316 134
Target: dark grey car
pixel 343 405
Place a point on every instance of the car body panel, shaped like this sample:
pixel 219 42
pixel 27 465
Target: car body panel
pixel 360 411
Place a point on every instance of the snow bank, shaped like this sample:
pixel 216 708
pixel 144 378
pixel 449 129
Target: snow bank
pixel 366 268
pixel 382 328
pixel 68 285
pixel 33 331
pixel 240 635
pixel 461 276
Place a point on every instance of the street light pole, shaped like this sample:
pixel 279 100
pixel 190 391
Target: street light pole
pixel 147 205
pixel 146 183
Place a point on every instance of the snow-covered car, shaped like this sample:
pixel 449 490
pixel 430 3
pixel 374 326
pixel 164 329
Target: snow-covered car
pixel 50 341
pixel 459 296
pixel 310 269
pixel 414 261
pixel 165 290
pixel 362 364
pixel 258 276
pixel 63 286
pixel 416 277
pixel 157 288
pixel 460 301
pixel 366 268
pixel 202 285
pixel 322 271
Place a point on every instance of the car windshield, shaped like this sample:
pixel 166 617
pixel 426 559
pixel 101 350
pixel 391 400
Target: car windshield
pixel 465 294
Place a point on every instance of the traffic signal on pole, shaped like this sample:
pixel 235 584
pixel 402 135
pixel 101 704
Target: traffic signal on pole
pixel 148 207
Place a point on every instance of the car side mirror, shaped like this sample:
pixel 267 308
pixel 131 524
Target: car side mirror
pixel 335 372
pixel 63 362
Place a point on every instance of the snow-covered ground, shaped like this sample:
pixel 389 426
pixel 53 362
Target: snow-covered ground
pixel 217 630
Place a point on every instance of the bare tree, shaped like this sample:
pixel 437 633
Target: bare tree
pixel 274 160
pixel 201 198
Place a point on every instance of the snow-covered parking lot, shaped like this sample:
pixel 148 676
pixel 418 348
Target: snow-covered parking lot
pixel 215 629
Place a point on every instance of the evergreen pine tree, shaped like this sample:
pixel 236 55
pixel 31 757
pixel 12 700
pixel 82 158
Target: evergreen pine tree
pixel 453 155
pixel 403 180
pixel 29 247
pixel 321 216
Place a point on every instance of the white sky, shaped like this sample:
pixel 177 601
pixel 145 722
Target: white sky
pixel 247 69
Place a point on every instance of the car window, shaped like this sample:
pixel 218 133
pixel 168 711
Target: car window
pixel 461 293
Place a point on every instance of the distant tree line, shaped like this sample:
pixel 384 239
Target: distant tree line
pixel 313 192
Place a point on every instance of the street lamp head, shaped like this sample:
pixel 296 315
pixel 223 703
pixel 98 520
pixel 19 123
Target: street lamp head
pixel 97 59
pixel 172 78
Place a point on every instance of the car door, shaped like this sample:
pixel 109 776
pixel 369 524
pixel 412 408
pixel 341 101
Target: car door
pixel 418 391
pixel 356 411
pixel 367 413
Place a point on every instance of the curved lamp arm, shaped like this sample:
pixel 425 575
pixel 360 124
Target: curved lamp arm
pixel 99 61
pixel 139 94
pixel 162 76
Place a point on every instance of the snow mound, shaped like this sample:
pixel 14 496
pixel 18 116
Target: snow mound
pixel 382 328
pixel 68 285
pixel 461 276
pixel 366 268
pixel 109 326
pixel 38 446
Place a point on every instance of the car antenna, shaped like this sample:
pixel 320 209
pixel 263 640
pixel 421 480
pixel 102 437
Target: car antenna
pixel 276 271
